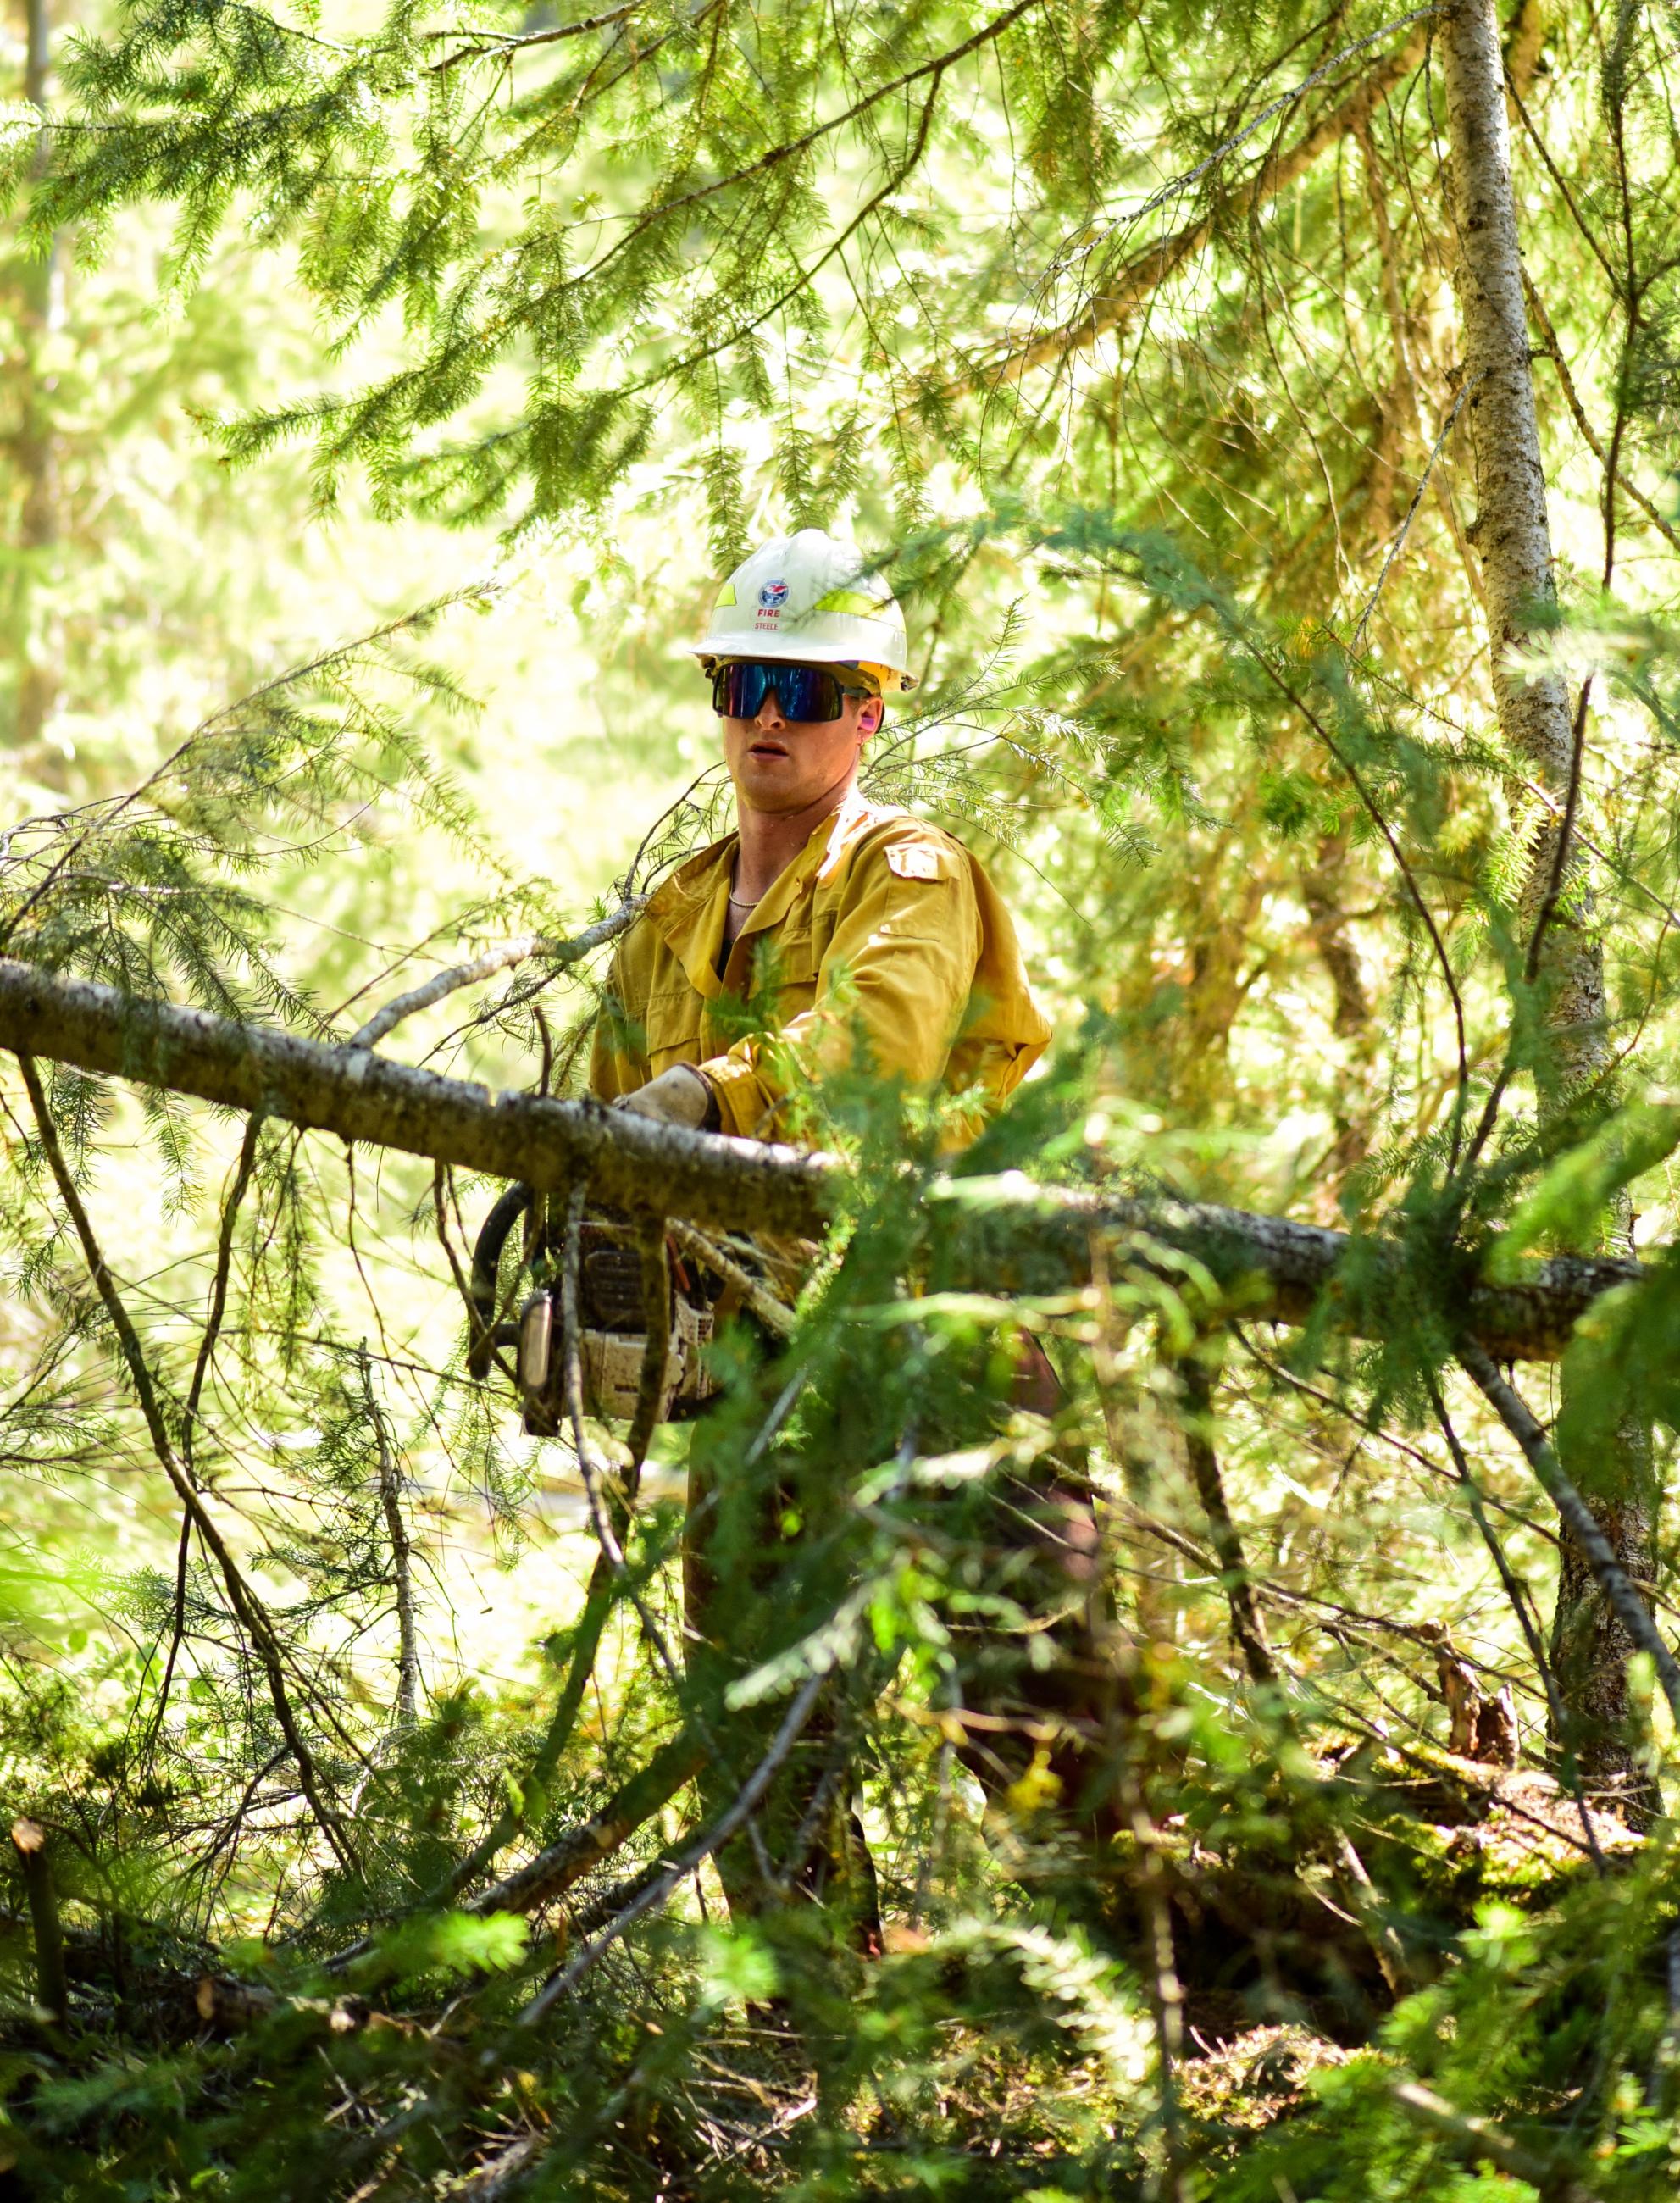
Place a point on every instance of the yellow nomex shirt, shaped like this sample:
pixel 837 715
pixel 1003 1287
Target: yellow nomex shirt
pixel 882 925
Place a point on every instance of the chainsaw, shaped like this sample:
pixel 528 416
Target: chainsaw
pixel 613 1319
pixel 705 1284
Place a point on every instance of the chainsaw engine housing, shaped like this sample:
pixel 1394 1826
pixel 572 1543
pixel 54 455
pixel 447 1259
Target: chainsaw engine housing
pixel 613 1341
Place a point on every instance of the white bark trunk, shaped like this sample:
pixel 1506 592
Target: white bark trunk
pixel 1510 533
pixel 1590 1644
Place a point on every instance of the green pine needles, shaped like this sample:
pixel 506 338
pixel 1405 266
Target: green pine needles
pixel 1121 1695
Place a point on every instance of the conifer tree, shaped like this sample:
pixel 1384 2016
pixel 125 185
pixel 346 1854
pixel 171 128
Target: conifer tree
pixel 1261 414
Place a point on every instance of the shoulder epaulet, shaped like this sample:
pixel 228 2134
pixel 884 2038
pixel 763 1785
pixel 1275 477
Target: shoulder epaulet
pixel 914 849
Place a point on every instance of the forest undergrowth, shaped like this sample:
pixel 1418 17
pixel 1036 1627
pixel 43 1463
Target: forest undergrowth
pixel 1193 1711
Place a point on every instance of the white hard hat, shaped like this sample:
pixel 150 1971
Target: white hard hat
pixel 810 599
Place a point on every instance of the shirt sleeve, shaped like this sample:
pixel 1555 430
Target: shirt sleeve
pixel 895 979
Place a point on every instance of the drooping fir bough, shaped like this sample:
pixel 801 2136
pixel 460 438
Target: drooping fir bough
pixel 1267 421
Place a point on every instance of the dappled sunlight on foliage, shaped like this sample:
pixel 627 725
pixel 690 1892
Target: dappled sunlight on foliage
pixel 1141 1663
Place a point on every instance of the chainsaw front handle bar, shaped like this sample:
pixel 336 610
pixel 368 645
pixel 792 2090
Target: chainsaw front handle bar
pixel 483 1286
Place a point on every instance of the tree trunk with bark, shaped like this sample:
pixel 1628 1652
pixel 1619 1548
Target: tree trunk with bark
pixel 1270 1267
pixel 1513 542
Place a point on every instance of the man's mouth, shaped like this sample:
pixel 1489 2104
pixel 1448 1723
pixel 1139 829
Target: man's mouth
pixel 767 750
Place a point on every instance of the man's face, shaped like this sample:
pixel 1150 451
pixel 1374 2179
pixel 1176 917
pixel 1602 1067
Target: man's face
pixel 783 765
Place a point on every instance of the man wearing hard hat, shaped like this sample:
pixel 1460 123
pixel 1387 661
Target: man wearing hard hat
pixel 850 924
pixel 866 923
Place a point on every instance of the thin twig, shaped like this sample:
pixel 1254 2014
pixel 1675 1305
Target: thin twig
pixel 1479 2138
pixel 684 1862
pixel 1374 811
pixel 1588 434
pixel 1247 1626
pixel 1386 1946
pixel 494 46
pixel 1513 1592
pixel 1560 854
pixel 598 1603
pixel 1285 99
pixel 571 1368
pixel 224 1262
pixel 246 1607
pixel 1166 1993
pixel 402 1557
pixel 609 1533
pixel 1399 544
pixel 106 814
pixel 792 147
pixel 655 1283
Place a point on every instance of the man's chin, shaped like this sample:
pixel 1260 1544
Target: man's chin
pixel 772 793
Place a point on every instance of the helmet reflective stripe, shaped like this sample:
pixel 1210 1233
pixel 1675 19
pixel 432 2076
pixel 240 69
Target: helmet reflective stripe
pixel 810 597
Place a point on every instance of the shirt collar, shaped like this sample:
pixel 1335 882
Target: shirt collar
pixel 687 909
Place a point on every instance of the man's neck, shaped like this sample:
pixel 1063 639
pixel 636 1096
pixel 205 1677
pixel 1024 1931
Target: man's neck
pixel 770 840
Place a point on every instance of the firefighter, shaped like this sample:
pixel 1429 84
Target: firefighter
pixel 865 920
pixel 847 924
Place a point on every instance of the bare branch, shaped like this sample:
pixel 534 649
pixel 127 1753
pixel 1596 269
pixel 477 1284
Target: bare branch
pixel 1477 2139
pixel 684 1862
pixel 1613 1580
pixel 487 46
pixel 580 1850
pixel 1554 352
pixel 1247 1626
pixel 656 1280
pixel 402 1557
pixel 1518 1604
pixel 559 954
pixel 246 1606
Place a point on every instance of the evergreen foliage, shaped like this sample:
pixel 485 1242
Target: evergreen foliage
pixel 1275 1843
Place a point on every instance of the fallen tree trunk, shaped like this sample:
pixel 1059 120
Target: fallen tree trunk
pixel 1273 1267
pixel 629 1162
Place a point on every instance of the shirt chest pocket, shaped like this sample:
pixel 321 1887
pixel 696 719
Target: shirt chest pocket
pixel 790 962
pixel 674 1017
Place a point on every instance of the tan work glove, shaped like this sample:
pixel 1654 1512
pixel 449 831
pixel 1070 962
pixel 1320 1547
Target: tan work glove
pixel 677 1097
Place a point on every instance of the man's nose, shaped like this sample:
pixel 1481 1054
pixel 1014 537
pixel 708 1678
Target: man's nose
pixel 770 715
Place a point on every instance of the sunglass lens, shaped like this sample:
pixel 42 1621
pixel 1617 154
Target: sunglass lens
pixel 803 692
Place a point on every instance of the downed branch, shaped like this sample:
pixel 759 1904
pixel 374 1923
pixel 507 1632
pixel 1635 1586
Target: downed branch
pixel 1278 1268
pixel 544 1878
pixel 556 954
pixel 1620 1592
pixel 683 1860
pixel 1480 2141
pixel 629 1161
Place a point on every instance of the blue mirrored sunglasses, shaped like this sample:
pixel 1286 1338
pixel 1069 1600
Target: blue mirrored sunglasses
pixel 803 692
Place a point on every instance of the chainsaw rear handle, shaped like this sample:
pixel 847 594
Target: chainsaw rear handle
pixel 482 1287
